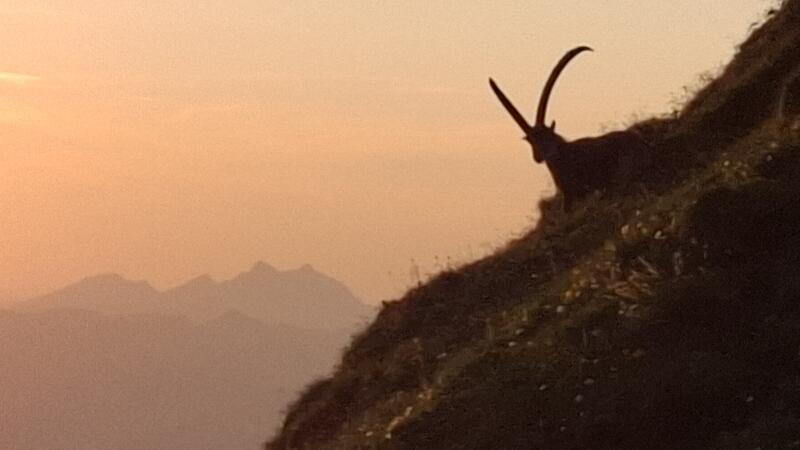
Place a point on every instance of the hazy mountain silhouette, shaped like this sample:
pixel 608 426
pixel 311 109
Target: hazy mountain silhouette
pixel 105 293
pixel 80 379
pixel 109 363
pixel 304 298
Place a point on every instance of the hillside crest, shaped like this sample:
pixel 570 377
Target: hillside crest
pixel 665 318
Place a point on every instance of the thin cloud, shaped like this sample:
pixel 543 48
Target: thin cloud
pixel 13 12
pixel 34 13
pixel 18 79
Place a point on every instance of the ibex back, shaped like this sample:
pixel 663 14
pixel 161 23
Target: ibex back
pixel 579 167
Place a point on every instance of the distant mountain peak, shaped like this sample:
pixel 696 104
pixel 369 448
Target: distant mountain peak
pixel 204 280
pixel 109 292
pixel 262 267
pixel 263 293
pixel 202 283
pixel 105 277
pixel 113 280
pixel 307 268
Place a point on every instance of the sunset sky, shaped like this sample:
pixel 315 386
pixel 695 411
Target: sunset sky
pixel 163 140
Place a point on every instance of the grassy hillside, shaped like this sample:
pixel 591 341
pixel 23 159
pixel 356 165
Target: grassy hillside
pixel 667 317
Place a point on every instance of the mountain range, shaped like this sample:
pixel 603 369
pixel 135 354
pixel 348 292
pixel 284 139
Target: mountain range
pixel 113 364
pixel 303 298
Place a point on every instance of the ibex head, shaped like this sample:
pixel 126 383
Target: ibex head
pixel 585 165
pixel 545 142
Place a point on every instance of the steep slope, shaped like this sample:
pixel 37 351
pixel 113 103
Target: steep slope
pixel 665 318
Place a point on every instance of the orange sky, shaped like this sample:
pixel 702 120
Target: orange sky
pixel 163 142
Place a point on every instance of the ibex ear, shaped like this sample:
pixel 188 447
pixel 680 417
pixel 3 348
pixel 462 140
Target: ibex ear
pixel 553 126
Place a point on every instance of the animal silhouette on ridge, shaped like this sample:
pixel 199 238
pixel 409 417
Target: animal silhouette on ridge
pixel 585 165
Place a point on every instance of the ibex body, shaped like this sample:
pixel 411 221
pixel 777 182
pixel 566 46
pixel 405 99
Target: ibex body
pixel 582 166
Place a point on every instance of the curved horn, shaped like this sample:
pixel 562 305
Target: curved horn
pixel 510 107
pixel 548 87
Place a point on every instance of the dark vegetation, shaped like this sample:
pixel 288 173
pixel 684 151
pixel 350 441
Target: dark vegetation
pixel 667 317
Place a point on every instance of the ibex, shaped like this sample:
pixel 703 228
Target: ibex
pixel 579 167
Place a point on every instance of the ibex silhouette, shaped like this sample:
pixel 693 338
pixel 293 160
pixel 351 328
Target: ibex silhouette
pixel 579 167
